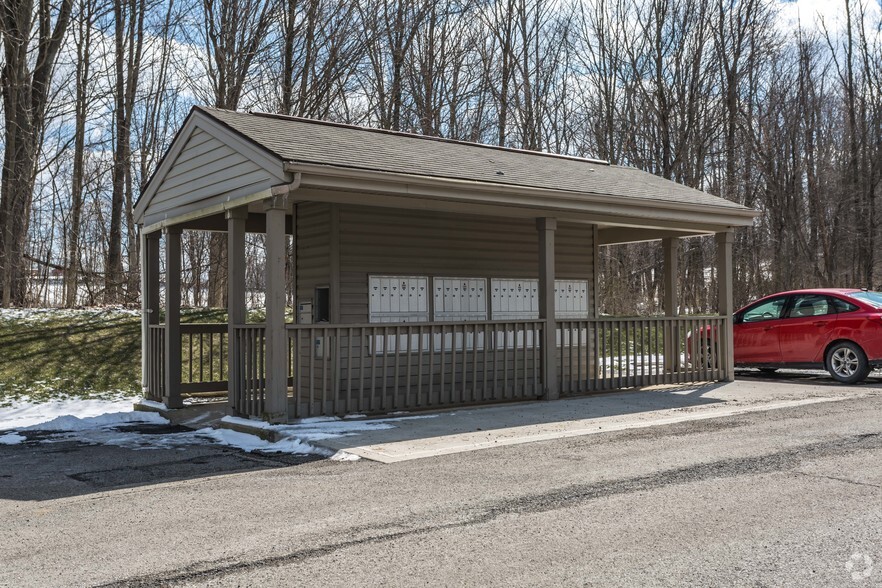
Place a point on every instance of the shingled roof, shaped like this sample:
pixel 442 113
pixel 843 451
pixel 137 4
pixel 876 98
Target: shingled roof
pixel 222 159
pixel 299 140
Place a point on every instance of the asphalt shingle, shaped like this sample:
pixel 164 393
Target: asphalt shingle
pixel 308 141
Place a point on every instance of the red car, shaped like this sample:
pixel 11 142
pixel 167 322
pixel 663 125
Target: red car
pixel 839 330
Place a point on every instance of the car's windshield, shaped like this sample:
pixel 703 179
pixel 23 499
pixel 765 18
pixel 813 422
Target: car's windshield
pixel 874 299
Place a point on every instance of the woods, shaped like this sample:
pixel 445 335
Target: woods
pixel 751 100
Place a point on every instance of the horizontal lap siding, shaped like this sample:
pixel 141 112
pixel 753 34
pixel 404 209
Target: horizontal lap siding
pixel 312 248
pixel 382 241
pixel 204 171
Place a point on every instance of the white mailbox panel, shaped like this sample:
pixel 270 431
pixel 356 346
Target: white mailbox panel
pixel 460 299
pixel 571 299
pixel 519 299
pixel 398 299
pixel 514 299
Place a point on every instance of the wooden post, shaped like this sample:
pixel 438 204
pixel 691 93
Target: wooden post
pixel 334 265
pixel 671 247
pixel 236 218
pixel 546 228
pixel 293 260
pixel 276 407
pixel 725 302
pixel 149 300
pixel 172 397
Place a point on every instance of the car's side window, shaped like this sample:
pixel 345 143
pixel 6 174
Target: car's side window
pixel 843 306
pixel 808 305
pixel 767 311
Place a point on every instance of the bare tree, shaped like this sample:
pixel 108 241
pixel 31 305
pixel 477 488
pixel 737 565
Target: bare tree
pixel 25 85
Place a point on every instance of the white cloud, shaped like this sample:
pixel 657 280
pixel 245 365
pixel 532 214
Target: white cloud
pixel 815 15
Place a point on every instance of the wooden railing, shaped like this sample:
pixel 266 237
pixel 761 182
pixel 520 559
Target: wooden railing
pixel 381 368
pixel 248 384
pixel 204 357
pixel 608 354
pixel 155 362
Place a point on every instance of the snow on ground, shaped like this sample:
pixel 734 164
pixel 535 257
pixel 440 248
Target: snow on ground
pixel 113 422
pixel 250 443
pixel 26 413
pixel 12 439
pixel 43 315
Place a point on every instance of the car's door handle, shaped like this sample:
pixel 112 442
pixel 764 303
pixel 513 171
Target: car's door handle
pixel 770 327
pixel 820 323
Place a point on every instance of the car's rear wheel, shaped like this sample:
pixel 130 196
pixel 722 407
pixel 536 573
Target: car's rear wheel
pixel 847 363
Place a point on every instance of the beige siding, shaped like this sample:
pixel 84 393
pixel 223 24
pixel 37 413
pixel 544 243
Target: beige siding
pixel 383 241
pixel 207 171
pixel 312 248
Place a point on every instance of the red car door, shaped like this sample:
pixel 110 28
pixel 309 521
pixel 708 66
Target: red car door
pixel 756 332
pixel 806 328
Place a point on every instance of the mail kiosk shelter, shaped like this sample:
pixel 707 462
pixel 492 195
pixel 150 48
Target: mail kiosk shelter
pixel 427 273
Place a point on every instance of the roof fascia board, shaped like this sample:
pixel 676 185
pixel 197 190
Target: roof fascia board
pixel 621 235
pixel 481 207
pixel 190 215
pixel 330 177
pixel 198 119
pixel 410 196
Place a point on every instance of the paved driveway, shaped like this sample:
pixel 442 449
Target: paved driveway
pixel 785 497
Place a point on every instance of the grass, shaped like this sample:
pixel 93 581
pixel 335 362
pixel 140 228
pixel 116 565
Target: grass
pixel 84 354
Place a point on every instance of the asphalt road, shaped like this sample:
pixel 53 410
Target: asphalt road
pixel 789 497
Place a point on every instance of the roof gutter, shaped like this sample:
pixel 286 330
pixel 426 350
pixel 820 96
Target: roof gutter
pixel 332 177
pixel 283 190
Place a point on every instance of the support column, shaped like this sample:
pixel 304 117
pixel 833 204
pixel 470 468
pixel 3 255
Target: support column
pixel 671 246
pixel 236 218
pixel 149 300
pixel 172 396
pixel 725 301
pixel 546 228
pixel 276 405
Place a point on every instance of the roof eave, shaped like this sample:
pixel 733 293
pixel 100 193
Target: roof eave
pixel 353 179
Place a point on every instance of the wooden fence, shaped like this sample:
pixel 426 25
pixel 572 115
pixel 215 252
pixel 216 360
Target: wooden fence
pixel 248 386
pixel 203 359
pixel 380 368
pixel 610 354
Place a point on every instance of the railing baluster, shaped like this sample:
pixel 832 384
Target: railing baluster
pixel 349 407
pixel 442 395
pixel 474 363
pixel 420 400
pixel 484 349
pixel 431 392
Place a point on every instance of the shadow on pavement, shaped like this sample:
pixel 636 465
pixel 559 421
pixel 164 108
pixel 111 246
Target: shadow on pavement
pixel 813 377
pixel 46 468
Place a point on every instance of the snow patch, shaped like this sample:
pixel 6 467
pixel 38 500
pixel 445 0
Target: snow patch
pixel 44 315
pixel 12 439
pixel 27 413
pixel 98 422
pixel 70 423
pixel 344 456
pixel 249 443
pixel 153 404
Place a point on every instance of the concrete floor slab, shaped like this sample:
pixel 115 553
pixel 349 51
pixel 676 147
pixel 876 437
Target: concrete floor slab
pixel 496 426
